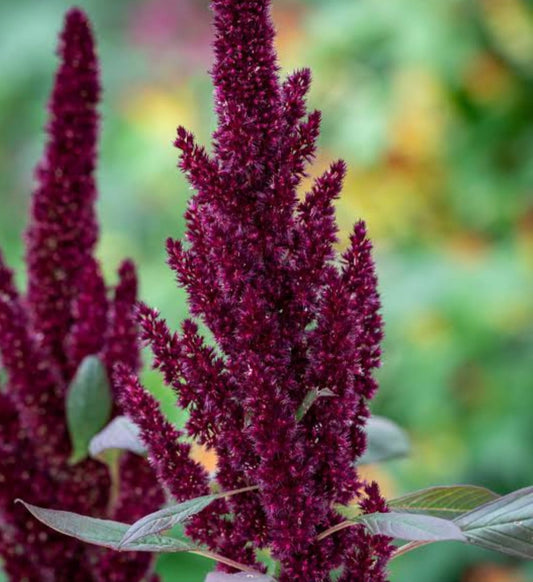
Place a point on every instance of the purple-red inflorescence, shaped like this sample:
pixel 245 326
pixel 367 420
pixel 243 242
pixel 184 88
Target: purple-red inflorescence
pixel 288 316
pixel 66 315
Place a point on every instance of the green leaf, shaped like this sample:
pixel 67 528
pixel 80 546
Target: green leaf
pixel 309 400
pixel 386 440
pixel 504 525
pixel 446 502
pixel 166 518
pixel 410 527
pixel 121 433
pixel 88 405
pixel 110 534
pixel 264 556
pixel 403 526
pixel 102 532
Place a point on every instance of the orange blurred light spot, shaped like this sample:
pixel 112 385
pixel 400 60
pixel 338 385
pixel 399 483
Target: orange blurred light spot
pixel 204 456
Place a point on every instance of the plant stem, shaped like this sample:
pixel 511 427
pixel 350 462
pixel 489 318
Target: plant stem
pixel 224 560
pixel 407 548
pixel 335 528
pixel 236 491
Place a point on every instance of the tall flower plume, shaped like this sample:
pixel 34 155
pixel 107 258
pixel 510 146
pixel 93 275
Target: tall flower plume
pixel 66 315
pixel 290 319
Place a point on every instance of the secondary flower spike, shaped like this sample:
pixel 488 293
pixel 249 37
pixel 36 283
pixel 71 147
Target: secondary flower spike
pixel 66 315
pixel 288 316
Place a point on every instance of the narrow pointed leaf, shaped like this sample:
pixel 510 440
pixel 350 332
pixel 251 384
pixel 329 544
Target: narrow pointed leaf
pixel 386 440
pixel 504 525
pixel 102 532
pixel 88 405
pixel 446 502
pixel 166 518
pixel 120 433
pixel 409 527
pixel 309 400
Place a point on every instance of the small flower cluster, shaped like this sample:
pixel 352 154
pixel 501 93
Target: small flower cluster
pixel 65 316
pixel 291 320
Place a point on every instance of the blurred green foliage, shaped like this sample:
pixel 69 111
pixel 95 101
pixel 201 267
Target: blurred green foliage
pixel 431 105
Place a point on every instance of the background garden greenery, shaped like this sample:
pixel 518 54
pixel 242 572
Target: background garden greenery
pixel 431 105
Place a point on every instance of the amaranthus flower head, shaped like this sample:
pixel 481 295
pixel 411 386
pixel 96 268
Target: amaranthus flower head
pixel 66 315
pixel 291 320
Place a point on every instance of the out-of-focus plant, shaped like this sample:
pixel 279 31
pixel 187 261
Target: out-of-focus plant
pixel 58 344
pixel 283 396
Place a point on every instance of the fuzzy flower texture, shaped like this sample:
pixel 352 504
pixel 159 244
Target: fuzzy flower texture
pixel 288 316
pixel 65 316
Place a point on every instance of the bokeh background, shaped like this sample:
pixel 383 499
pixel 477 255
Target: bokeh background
pixel 431 105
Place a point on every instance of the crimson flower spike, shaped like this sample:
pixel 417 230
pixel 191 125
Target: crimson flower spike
pixel 65 316
pixel 288 316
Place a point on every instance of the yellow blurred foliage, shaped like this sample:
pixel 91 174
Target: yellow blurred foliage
pixel 429 330
pixel 432 453
pixel 158 111
pixel 419 115
pixel 401 193
pixel 378 473
pixel 510 22
pixel 290 38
